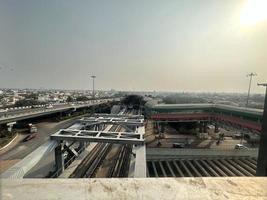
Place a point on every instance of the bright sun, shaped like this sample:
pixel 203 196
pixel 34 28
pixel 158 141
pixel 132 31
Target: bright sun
pixel 254 11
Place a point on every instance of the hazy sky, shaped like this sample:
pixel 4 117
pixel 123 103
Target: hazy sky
pixel 189 45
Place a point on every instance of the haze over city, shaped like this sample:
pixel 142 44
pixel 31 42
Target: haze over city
pixel 133 99
pixel 132 45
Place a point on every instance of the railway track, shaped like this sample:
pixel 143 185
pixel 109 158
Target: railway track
pixel 115 159
pixel 121 164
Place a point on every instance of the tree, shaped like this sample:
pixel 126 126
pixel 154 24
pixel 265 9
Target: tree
pixel 69 99
pixel 82 98
pixel 27 102
pixel 134 101
pixel 33 96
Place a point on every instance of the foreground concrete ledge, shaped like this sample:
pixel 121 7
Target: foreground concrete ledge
pixel 143 188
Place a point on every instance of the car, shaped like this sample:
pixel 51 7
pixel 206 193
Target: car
pixel 237 135
pixel 49 106
pixel 240 146
pixel 178 145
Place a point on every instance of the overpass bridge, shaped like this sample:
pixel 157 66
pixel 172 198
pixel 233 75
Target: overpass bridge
pixel 8 117
pixel 245 118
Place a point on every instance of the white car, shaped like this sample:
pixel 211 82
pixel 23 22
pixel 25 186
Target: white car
pixel 49 106
pixel 240 146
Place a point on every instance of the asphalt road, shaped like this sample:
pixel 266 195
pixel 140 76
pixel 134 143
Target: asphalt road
pixel 28 110
pixel 18 150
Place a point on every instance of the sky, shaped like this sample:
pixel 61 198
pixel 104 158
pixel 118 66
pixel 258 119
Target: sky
pixel 141 45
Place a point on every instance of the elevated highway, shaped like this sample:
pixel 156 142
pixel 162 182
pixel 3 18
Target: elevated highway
pixel 13 115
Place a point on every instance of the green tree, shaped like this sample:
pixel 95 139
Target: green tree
pixel 70 99
pixel 135 101
pixel 82 98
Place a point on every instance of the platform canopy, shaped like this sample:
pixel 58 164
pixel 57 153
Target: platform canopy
pixel 112 120
pixel 98 136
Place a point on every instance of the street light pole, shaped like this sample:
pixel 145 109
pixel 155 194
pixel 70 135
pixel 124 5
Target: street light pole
pixel 262 156
pixel 250 80
pixel 93 77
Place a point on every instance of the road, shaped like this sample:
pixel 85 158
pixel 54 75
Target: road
pixel 20 113
pixel 28 110
pixel 17 151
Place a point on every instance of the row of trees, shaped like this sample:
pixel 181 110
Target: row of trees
pixel 80 98
pixel 134 101
pixel 27 102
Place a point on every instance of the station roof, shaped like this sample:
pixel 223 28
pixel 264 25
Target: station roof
pixel 204 106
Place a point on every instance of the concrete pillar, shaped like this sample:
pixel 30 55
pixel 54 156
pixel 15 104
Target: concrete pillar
pixel 205 127
pixel 82 145
pixel 162 128
pixel 60 115
pixel 216 127
pixel 156 127
pixel 59 158
pixel 200 127
pixel 10 126
pixel 2 128
pixel 262 157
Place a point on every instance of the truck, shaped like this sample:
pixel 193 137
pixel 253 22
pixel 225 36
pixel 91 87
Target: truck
pixel 32 128
pixel 33 133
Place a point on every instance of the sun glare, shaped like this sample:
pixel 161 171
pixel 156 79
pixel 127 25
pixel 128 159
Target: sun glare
pixel 253 12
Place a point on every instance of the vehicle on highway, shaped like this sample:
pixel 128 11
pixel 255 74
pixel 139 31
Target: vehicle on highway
pixel 32 128
pixel 49 106
pixel 178 145
pixel 3 110
pixel 240 146
pixel 237 136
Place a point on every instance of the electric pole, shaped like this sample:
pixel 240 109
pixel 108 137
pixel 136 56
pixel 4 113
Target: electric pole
pixel 250 80
pixel 262 156
pixel 93 77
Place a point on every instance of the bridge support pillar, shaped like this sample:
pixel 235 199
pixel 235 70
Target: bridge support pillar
pixel 162 128
pixel 82 145
pixel 262 157
pixel 60 115
pixel 216 127
pixel 156 127
pixel 200 127
pixel 205 127
pixel 10 126
pixel 59 158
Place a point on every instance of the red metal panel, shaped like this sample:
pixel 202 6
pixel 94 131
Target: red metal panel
pixel 206 116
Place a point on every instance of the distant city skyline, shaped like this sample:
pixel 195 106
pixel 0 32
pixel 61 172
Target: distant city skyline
pixel 175 46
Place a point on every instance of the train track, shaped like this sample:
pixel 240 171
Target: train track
pixel 117 155
pixel 121 164
pixel 91 163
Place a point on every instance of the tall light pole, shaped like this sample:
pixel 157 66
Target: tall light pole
pixel 93 77
pixel 250 80
pixel 262 156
